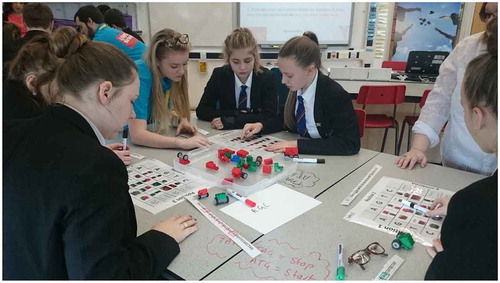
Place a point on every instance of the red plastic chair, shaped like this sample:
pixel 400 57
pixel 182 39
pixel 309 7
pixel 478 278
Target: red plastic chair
pixel 382 94
pixel 361 120
pixel 394 65
pixel 411 120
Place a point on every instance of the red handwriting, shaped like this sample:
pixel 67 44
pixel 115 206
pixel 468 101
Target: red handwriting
pixel 218 246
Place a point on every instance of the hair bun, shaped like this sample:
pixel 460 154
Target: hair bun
pixel 67 41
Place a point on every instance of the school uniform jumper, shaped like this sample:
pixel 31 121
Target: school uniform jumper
pixel 335 128
pixel 469 235
pixel 19 102
pixel 67 213
pixel 126 42
pixel 221 89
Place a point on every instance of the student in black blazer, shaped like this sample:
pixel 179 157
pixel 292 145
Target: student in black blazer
pixel 243 90
pixel 67 213
pixel 317 108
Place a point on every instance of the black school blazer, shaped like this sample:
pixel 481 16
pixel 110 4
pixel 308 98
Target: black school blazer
pixel 220 87
pixel 67 213
pixel 335 119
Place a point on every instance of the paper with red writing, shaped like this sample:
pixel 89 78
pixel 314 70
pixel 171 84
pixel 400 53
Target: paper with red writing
pixel 231 233
pixel 276 205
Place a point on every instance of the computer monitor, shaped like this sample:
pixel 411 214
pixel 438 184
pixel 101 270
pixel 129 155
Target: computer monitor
pixel 425 63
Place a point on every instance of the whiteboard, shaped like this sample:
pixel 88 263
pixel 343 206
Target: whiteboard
pixel 275 23
pixel 207 24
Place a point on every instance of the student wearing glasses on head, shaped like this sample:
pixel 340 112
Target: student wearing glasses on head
pixel 163 97
pixel 242 91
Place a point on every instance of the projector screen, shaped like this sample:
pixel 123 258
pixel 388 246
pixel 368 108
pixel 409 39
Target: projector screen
pixel 275 23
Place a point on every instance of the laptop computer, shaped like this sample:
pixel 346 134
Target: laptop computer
pixel 423 65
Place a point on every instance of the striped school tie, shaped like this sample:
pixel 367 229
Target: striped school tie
pixel 242 99
pixel 300 118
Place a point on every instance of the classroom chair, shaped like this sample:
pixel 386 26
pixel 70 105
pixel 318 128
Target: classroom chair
pixel 361 120
pixel 411 120
pixel 382 94
pixel 282 89
pixel 394 65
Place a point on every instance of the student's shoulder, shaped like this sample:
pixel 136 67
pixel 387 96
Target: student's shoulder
pixel 224 70
pixel 484 190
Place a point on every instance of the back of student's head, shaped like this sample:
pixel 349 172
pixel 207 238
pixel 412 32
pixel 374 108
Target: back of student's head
pixel 241 38
pixel 304 50
pixel 37 15
pixel 103 8
pixel 91 63
pixel 115 17
pixel 492 41
pixel 89 12
pixel 163 43
pixel 10 31
pixel 480 84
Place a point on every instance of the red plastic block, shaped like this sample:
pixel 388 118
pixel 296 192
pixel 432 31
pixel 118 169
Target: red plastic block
pixel 268 161
pixel 292 152
pixel 211 165
pixel 266 169
pixel 242 153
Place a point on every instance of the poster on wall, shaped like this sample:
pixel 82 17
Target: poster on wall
pixel 424 27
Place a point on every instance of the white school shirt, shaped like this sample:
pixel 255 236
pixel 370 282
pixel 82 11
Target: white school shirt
pixel 238 85
pixel 100 137
pixel 309 97
pixel 458 148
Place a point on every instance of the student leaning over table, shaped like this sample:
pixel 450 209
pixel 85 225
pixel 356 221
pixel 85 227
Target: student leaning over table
pixel 468 248
pixel 67 213
pixel 244 90
pixel 163 97
pixel 317 107
pixel 30 89
pixel 458 149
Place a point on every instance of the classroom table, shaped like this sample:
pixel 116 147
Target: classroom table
pixel 306 247
pixel 414 90
pixel 198 257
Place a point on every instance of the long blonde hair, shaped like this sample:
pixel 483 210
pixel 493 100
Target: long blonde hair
pixel 241 38
pixel 159 49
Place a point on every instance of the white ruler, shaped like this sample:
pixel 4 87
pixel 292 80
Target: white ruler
pixel 390 267
pixel 362 185
pixel 250 249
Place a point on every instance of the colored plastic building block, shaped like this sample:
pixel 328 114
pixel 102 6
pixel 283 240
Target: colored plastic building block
pixel 245 165
pixel 277 167
pixel 183 158
pixel 268 161
pixel 224 158
pixel 203 193
pixel 242 153
pixel 237 173
pixel 227 180
pixel 291 152
pixel 266 169
pixel 240 163
pixel 221 198
pixel 258 160
pixel 212 165
pixel 404 240
pixel 249 158
pixel 235 159
pixel 252 167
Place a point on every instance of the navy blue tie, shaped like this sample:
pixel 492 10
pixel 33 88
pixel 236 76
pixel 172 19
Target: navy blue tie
pixel 242 99
pixel 300 118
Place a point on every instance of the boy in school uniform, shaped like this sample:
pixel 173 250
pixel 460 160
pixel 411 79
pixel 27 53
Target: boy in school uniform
pixel 242 91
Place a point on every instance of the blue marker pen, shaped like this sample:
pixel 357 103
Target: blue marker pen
pixel 340 263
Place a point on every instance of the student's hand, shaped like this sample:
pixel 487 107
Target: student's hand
pixel 438 247
pixel 280 146
pixel 185 127
pixel 124 155
pixel 410 158
pixel 193 142
pixel 439 207
pixel 178 227
pixel 251 129
pixel 217 124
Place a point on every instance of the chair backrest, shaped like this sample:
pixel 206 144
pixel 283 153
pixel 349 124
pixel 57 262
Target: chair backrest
pixel 361 120
pixel 381 94
pixel 394 65
pixel 424 97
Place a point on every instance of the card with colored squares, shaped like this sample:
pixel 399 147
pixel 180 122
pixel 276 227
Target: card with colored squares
pixel 156 186
pixel 382 208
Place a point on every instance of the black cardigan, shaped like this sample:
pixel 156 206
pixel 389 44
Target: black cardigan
pixel 335 119
pixel 67 213
pixel 220 88
pixel 469 235
pixel 19 102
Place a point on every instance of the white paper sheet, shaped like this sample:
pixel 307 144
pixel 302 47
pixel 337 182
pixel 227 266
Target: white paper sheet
pixel 276 205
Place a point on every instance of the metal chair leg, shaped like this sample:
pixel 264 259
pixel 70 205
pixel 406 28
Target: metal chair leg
pixel 383 140
pixel 401 135
pixel 396 151
pixel 409 139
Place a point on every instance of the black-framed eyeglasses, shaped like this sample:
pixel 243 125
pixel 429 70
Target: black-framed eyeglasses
pixel 171 42
pixel 362 257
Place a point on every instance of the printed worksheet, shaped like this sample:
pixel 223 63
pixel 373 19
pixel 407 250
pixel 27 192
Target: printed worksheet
pixel 382 209
pixel 156 186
